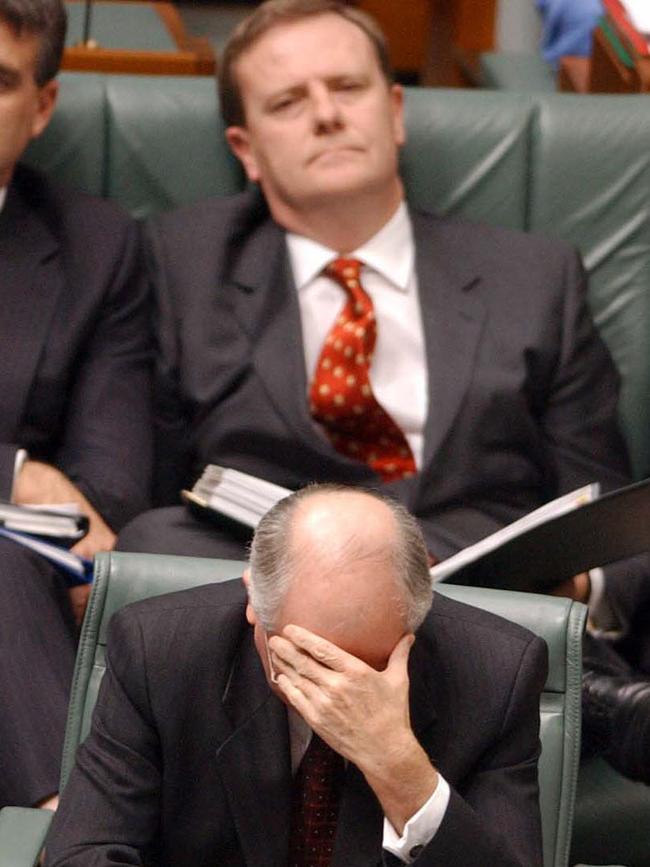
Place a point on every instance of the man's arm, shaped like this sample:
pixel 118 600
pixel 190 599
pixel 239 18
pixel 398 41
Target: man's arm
pixel 579 418
pixel 171 426
pixel 121 759
pixel 496 816
pixel 8 454
pixel 361 713
pixel 364 715
pixel 40 484
pixel 106 448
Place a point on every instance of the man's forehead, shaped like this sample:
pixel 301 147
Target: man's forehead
pixel 18 51
pixel 288 50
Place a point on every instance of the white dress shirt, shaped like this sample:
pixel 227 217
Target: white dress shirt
pixel 399 369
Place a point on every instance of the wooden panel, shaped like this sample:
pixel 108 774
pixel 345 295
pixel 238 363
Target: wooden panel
pixel 408 29
pixel 194 55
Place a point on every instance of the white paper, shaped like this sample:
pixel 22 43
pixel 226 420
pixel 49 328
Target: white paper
pixel 560 506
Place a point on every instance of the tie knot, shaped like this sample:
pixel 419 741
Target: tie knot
pixel 346 272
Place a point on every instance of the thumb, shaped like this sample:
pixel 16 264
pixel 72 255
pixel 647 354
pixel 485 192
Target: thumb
pixel 398 660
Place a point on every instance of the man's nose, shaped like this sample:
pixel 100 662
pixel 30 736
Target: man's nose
pixel 326 110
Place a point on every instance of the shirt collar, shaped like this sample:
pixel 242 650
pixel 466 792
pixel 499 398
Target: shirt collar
pixel 3 197
pixel 390 252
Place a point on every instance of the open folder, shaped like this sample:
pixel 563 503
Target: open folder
pixel 611 527
pixel 574 533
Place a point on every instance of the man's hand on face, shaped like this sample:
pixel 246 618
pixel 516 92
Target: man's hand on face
pixel 361 713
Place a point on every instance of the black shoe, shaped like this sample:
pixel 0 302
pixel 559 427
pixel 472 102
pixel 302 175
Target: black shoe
pixel 616 721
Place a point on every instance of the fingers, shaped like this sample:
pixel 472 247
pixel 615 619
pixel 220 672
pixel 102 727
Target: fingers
pixel 290 660
pixel 323 651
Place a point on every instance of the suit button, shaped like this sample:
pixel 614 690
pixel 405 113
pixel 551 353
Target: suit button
pixel 415 851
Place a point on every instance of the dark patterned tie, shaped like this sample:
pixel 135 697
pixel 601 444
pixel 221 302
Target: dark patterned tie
pixel 315 804
pixel 340 396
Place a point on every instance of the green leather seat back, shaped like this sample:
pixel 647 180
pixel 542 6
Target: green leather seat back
pixel 468 156
pixel 590 185
pixel 166 143
pixel 123 578
pixel 73 148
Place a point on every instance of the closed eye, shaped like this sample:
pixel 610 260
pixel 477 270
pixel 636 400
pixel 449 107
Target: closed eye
pixel 285 101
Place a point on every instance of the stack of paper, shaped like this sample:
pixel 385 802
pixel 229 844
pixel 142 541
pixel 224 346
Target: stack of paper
pixel 63 521
pixel 239 496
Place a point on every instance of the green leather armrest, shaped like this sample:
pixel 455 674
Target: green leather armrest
pixel 526 73
pixel 22 834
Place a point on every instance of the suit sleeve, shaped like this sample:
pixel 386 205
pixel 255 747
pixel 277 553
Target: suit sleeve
pixel 107 449
pixel 580 424
pixel 495 820
pixel 114 789
pixel 7 464
pixel 172 447
pixel 580 416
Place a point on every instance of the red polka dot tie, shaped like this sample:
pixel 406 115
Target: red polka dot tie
pixel 340 396
pixel 315 805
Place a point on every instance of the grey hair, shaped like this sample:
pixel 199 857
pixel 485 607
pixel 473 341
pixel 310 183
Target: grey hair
pixel 45 19
pixel 272 561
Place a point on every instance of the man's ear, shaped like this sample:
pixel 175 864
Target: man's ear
pixel 47 97
pixel 239 141
pixel 250 614
pixel 397 100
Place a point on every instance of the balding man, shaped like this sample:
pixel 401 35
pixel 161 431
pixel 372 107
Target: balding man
pixel 223 714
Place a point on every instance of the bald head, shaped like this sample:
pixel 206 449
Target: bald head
pixel 344 585
pixel 346 564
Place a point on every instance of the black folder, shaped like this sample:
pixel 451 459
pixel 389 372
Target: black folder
pixel 610 528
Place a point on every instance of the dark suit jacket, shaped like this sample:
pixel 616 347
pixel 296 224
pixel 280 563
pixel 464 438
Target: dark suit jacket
pixel 74 344
pixel 522 392
pixel 188 759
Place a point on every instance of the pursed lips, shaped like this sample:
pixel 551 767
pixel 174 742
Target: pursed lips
pixel 332 151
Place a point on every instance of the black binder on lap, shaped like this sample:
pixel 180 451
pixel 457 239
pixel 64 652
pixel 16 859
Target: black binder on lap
pixel 610 528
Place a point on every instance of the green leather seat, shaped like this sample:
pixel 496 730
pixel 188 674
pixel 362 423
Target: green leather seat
pixel 124 578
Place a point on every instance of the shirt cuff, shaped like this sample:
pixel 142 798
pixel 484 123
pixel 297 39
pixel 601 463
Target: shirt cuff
pixel 420 828
pixel 602 620
pixel 19 460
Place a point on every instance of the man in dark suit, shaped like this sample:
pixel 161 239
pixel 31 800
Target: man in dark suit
pixel 74 418
pixel 486 358
pixel 434 708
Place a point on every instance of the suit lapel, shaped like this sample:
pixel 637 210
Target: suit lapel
pixel 30 284
pixel 266 307
pixel 453 318
pixel 254 762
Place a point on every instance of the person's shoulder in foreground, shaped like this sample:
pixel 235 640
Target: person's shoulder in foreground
pixel 212 695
